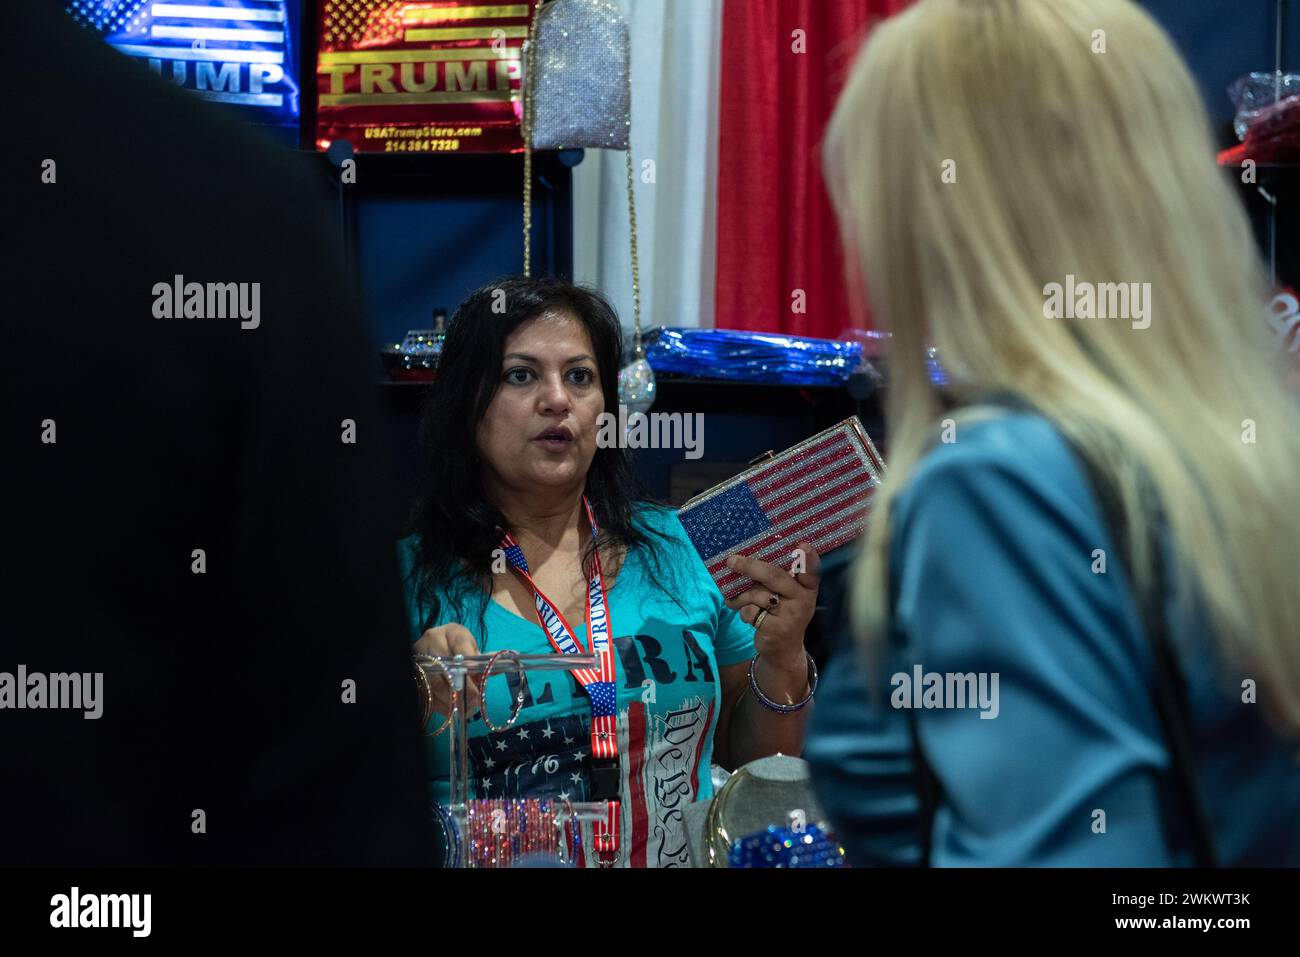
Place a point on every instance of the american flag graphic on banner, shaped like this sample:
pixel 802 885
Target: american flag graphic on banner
pixel 231 51
pixel 819 492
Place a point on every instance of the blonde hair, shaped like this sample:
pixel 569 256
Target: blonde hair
pixel 1100 165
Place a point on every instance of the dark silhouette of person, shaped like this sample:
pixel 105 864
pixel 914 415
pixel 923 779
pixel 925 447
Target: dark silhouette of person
pixel 183 511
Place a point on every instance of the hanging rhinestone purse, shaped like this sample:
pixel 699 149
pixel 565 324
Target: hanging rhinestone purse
pixel 578 95
pixel 578 64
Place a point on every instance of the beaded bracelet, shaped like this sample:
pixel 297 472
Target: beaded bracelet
pixel 503 832
pixel 771 705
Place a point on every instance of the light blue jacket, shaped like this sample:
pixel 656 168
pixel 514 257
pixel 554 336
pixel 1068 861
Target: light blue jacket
pixel 992 570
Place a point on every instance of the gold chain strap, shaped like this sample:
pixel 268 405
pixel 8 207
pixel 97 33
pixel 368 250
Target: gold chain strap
pixel 530 86
pixel 636 268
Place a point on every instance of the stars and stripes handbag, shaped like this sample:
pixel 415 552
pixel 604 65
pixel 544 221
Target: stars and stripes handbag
pixel 819 491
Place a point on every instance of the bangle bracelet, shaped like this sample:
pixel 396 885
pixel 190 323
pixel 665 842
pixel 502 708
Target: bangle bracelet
pixel 771 705
pixel 519 696
pixel 716 837
pixel 450 835
pixel 426 692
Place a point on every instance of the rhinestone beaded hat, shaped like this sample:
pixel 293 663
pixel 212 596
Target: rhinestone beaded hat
pixel 583 83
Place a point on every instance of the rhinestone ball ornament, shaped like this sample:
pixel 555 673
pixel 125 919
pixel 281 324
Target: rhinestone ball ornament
pixel 636 386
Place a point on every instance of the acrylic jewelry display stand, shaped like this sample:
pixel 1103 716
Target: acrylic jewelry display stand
pixel 455 670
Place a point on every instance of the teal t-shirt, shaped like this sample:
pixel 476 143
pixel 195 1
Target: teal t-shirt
pixel 672 630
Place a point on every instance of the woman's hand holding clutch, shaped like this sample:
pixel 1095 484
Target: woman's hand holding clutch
pixel 780 605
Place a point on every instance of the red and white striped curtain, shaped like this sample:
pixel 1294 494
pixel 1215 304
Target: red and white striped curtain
pixel 730 104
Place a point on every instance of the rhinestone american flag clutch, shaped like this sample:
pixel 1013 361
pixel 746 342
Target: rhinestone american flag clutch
pixel 819 491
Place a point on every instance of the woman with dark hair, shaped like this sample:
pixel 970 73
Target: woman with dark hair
pixel 528 537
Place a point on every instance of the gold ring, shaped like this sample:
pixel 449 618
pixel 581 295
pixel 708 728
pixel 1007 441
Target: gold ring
pixel 758 620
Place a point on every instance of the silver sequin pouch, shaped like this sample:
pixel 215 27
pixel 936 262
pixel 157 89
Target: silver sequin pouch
pixel 582 93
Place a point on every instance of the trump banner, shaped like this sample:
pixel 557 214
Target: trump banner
pixel 442 76
pixel 242 53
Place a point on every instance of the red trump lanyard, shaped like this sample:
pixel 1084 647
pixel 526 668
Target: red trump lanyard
pixel 598 683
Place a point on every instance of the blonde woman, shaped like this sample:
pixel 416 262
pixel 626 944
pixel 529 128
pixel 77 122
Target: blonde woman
pixel 1088 487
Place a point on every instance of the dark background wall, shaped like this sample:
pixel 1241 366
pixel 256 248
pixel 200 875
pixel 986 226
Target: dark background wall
pixel 1224 39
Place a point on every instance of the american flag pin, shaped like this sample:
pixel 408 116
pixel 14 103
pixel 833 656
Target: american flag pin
pixel 819 491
